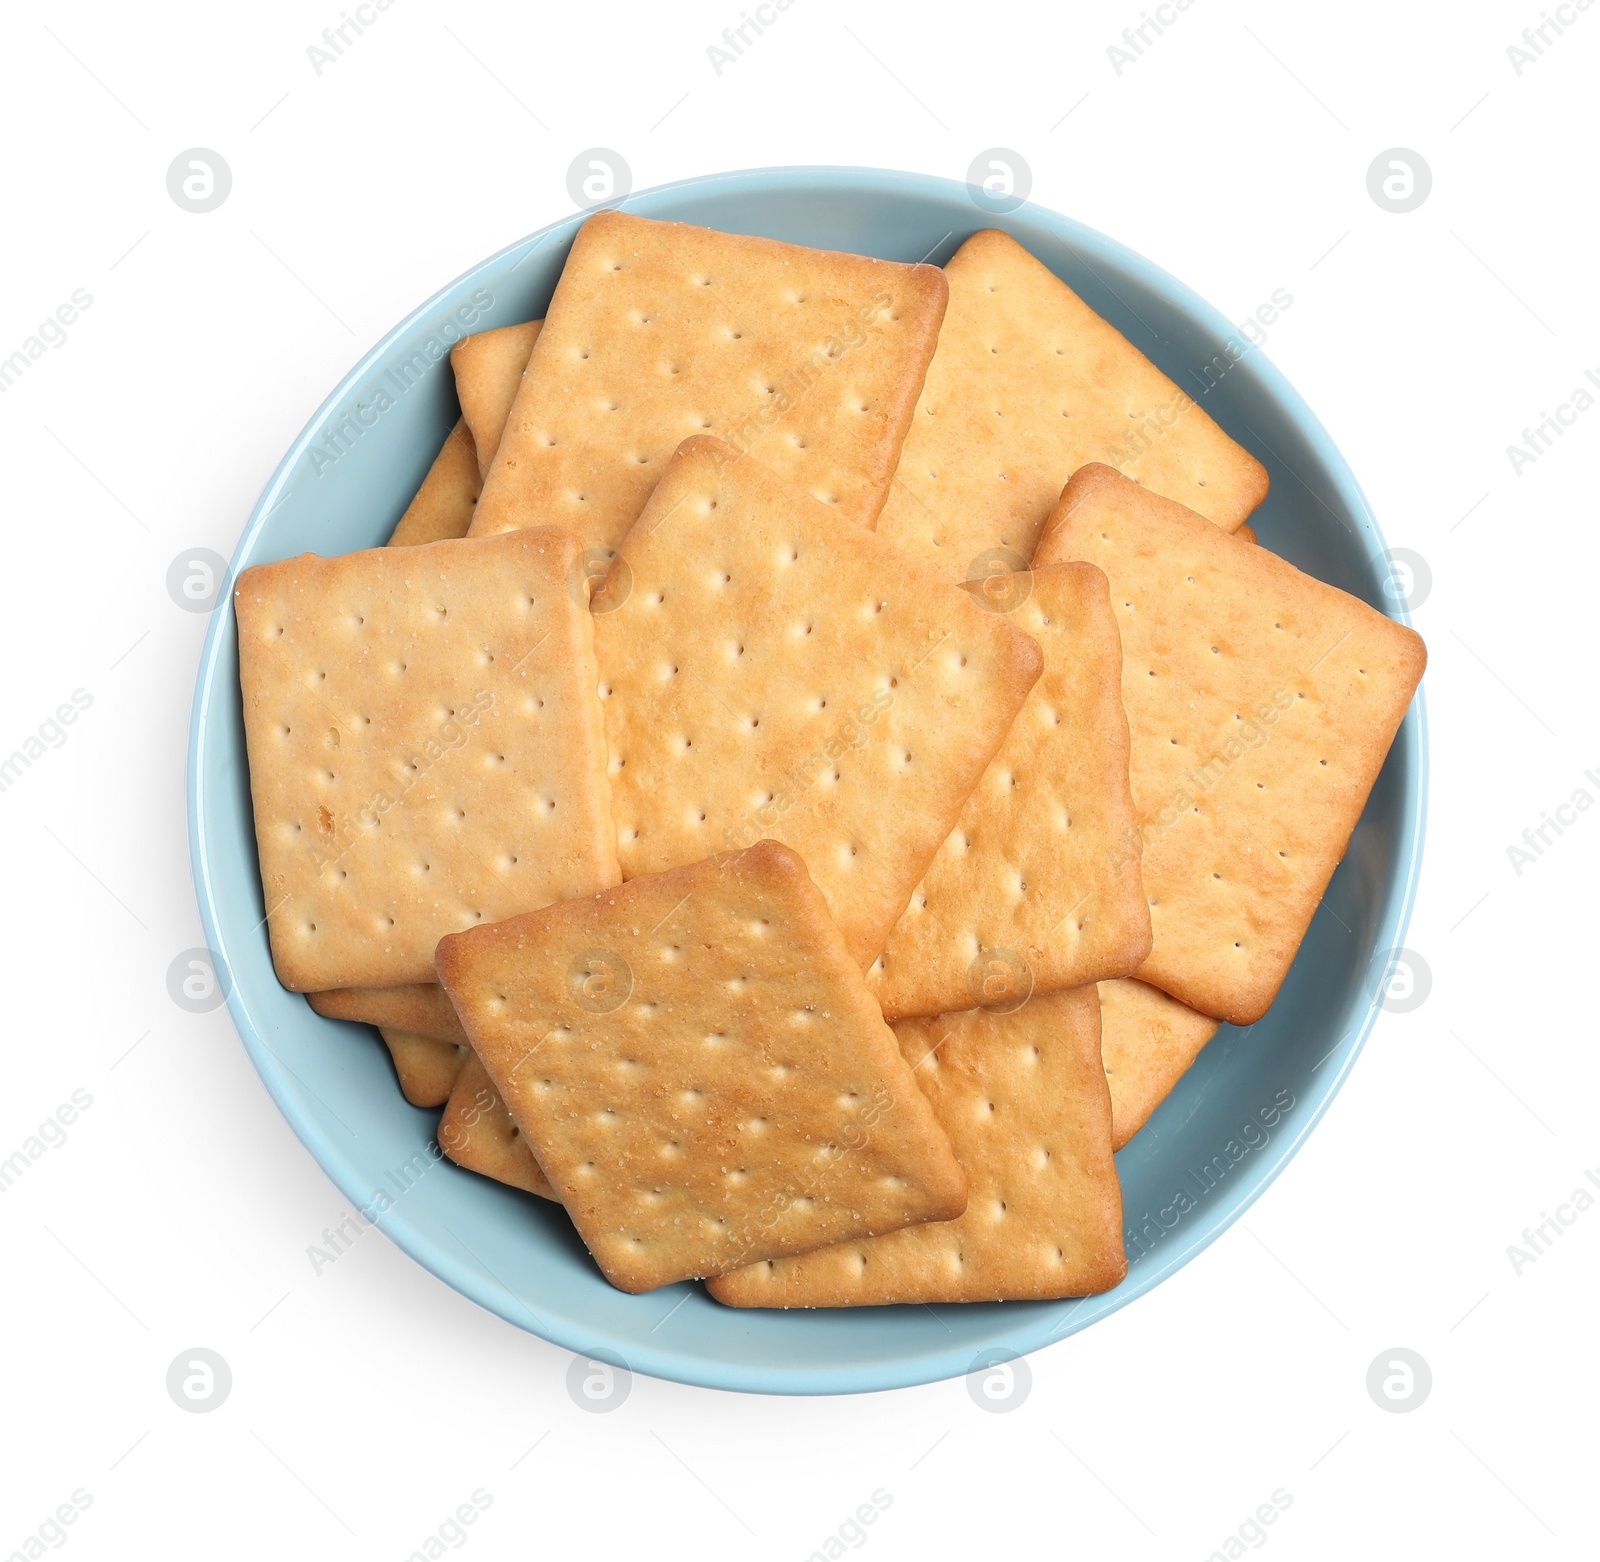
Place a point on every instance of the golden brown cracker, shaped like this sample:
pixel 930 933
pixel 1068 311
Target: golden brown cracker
pixel 809 360
pixel 1033 889
pixel 1028 384
pixel 418 1007
pixel 1148 1040
pixel 1262 704
pixel 488 369
pixel 425 748
pixel 765 673
pixel 1024 1100
pixel 700 1070
pixel 478 1132
pixel 427 1068
pixel 444 503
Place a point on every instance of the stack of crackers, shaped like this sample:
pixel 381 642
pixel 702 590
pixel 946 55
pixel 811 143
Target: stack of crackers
pixel 817 760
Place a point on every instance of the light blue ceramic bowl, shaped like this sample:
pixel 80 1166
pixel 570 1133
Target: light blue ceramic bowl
pixel 518 1256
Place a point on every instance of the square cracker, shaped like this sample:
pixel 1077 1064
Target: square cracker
pixel 1262 704
pixel 427 1069
pixel 478 1132
pixel 425 748
pixel 1024 1099
pixel 765 672
pixel 418 1007
pixel 443 504
pixel 1028 384
pixel 1034 890
pixel 807 359
pixel 700 1070
pixel 488 369
pixel 1147 1041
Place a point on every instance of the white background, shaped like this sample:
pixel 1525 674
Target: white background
pixel 369 1401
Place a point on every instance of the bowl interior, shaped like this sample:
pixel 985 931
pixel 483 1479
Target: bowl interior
pixel 343 486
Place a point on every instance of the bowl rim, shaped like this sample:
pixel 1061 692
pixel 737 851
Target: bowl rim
pixel 1027 1334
